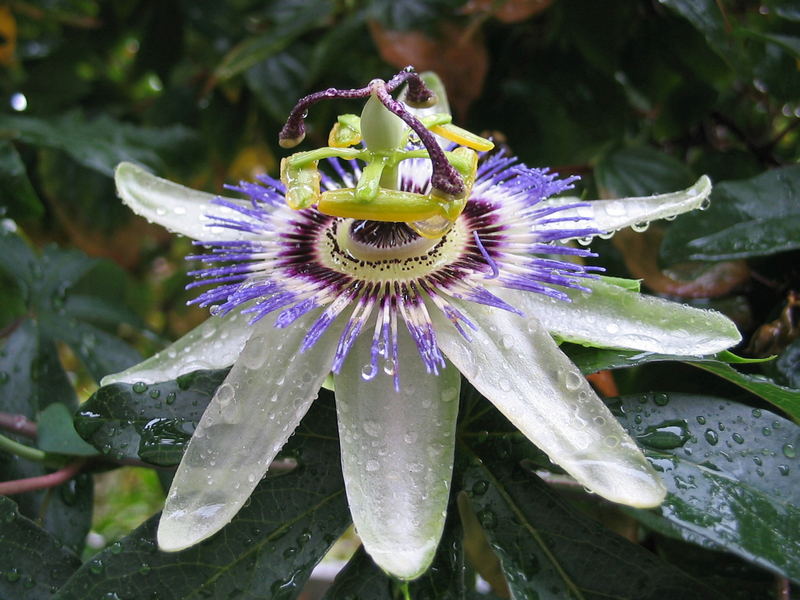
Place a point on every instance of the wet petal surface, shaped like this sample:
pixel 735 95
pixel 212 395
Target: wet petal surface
pixel 251 416
pixel 614 317
pixel 397 455
pixel 516 364
pixel 610 215
pixel 175 207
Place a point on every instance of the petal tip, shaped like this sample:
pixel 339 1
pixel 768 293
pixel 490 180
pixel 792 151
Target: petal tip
pixel 406 564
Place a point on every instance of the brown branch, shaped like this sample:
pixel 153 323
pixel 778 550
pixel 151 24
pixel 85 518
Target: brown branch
pixel 29 484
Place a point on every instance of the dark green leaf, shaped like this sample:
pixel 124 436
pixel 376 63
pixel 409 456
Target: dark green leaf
pixel 640 171
pixel 278 82
pixel 17 260
pixel 591 360
pixel 56 433
pixel 267 551
pixel 752 217
pixel 31 379
pixel 101 352
pixel 33 563
pixel 147 422
pixel 100 143
pixel 292 19
pixel 445 580
pixel 18 198
pixel 706 17
pixel 33 375
pixel 549 550
pixel 786 368
pixel 361 579
pixel 730 471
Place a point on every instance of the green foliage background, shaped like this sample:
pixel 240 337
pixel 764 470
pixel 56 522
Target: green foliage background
pixel 636 96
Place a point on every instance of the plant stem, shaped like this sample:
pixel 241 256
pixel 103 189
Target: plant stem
pixel 22 450
pixel 18 486
pixel 19 424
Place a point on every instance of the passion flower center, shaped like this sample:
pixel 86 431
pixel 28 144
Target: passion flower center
pixel 376 240
pixel 372 251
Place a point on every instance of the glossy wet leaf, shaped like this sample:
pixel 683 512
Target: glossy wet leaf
pixel 267 551
pixel 46 283
pixel 151 422
pixel 640 171
pixel 56 433
pixel 19 198
pixel 446 579
pixel 731 471
pixel 591 360
pixel 751 217
pixel 293 18
pixel 548 549
pixel 24 548
pixel 98 143
pixel 31 379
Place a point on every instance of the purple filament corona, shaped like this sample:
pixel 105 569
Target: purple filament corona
pixel 293 263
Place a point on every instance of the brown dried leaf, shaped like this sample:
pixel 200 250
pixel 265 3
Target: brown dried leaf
pixel 507 11
pixel 686 280
pixel 458 56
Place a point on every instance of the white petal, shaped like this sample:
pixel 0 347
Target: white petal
pixel 397 456
pixel 611 215
pixel 178 208
pixel 614 317
pixel 214 344
pixel 251 416
pixel 517 365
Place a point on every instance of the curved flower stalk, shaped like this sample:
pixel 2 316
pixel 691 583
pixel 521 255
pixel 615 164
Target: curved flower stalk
pixel 476 279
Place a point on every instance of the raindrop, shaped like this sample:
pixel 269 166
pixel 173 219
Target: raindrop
pixel 507 342
pixel 573 380
pixel 368 372
pixel 661 399
pixel 255 353
pixel 96 567
pixel 701 419
pixel 225 393
pixel 171 398
pixel 640 227
pixel 487 519
pixel 479 487
pixel 139 387
pixel 144 569
pixel 585 241
pixel 711 437
pixel 756 412
pixel 612 328
pixel 789 451
pixel 12 575
pixel 738 438
pixel 783 470
pixel 665 436
pixel 705 204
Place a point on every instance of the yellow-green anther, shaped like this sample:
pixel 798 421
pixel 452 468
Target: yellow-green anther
pixel 462 136
pixel 302 184
pixel 437 119
pixel 370 181
pixel 346 132
pixel 382 130
pixel 387 206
